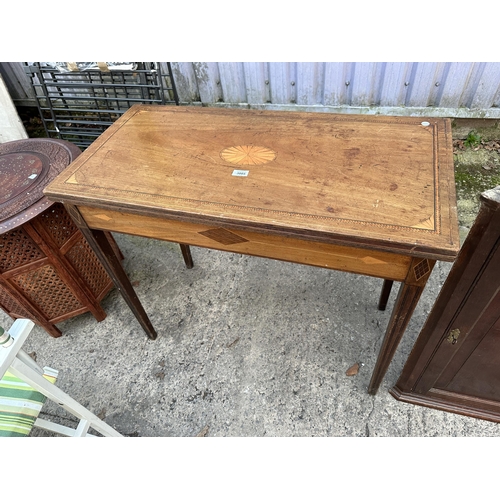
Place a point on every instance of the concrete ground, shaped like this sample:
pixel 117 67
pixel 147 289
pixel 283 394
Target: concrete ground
pixel 247 347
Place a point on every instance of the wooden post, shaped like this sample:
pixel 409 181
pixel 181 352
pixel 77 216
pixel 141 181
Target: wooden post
pixel 99 243
pixel 408 296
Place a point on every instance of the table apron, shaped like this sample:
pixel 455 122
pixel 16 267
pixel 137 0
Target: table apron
pixel 387 265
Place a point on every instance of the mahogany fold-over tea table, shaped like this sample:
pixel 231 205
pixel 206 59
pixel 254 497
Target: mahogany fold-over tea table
pixel 370 195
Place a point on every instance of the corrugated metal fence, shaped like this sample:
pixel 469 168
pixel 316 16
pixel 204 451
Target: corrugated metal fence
pixel 463 90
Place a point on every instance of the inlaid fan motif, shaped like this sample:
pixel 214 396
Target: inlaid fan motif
pixel 248 155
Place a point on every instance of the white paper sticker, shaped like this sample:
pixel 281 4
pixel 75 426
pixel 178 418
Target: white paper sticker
pixel 33 176
pixel 241 173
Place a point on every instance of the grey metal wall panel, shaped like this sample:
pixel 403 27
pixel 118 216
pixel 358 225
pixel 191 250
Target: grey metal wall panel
pixel 487 87
pixel 365 84
pixel 395 83
pixel 455 88
pixel 470 89
pixel 337 75
pixel 208 78
pixel 232 81
pixel 281 77
pixel 421 89
pixel 461 89
pixel 257 82
pixel 185 81
pixel 310 83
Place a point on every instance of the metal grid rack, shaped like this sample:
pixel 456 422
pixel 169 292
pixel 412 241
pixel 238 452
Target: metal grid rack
pixel 78 101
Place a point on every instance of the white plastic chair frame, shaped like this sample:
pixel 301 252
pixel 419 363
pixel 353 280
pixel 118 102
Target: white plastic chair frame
pixel 20 364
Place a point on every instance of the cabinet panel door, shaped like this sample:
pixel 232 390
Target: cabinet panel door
pixel 455 363
pixel 469 327
pixel 479 376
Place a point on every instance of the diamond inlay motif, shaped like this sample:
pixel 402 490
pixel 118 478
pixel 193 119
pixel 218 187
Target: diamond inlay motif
pixel 421 269
pixel 223 236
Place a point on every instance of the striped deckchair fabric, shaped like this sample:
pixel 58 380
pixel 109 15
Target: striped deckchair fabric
pixel 20 404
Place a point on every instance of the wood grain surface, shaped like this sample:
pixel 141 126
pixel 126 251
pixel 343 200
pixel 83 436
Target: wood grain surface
pixel 26 167
pixel 384 183
pixel 341 258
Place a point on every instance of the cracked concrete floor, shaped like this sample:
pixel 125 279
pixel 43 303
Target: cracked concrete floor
pixel 246 347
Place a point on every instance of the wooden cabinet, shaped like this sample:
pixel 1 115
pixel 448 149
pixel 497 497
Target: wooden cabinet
pixel 455 363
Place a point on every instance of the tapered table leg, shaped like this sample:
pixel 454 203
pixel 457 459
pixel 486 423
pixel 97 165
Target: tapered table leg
pixel 384 295
pixel 409 294
pixel 186 253
pixel 100 244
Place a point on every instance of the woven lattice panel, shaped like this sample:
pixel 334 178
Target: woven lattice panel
pixel 11 307
pixel 58 223
pixel 17 249
pixel 88 266
pixel 46 289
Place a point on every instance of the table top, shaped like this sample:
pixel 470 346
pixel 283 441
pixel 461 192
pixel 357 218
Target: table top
pixel 367 181
pixel 26 167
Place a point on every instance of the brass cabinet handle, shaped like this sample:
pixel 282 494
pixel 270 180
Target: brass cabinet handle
pixel 453 336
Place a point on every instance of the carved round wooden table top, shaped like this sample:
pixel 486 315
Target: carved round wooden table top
pixel 26 167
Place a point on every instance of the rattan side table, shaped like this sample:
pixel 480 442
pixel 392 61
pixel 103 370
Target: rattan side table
pixel 48 272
